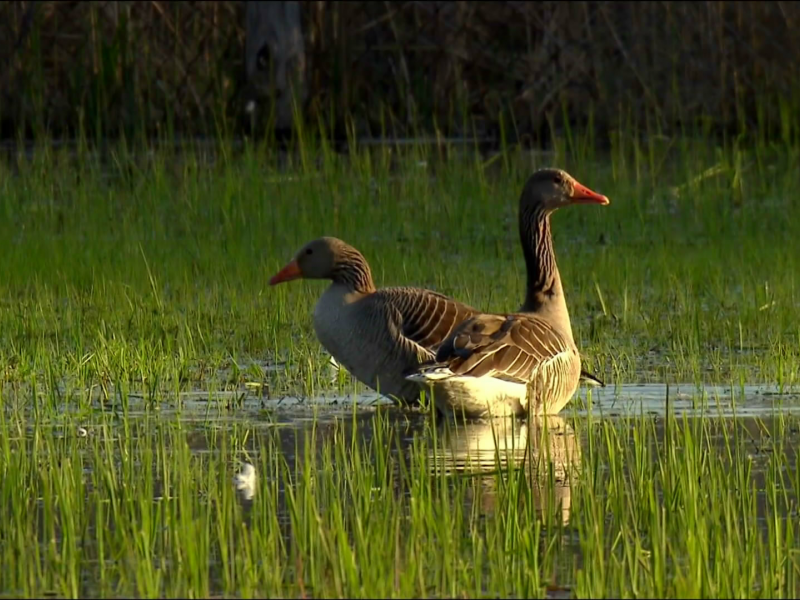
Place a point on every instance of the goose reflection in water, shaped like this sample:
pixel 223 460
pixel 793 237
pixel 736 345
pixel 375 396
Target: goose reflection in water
pixel 490 450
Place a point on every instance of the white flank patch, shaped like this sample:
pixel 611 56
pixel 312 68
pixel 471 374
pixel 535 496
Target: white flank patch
pixel 472 396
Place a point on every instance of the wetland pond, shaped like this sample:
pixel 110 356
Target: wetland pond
pixel 595 487
pixel 130 284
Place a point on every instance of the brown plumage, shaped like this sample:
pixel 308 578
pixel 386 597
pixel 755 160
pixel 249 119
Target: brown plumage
pixel 498 363
pixel 508 346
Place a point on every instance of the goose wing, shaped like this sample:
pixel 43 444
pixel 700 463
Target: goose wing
pixel 423 316
pixel 513 347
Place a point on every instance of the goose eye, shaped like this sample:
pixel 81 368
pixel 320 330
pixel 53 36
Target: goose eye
pixel 558 180
pixel 308 251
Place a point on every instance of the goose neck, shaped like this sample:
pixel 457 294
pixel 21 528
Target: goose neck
pixel 543 279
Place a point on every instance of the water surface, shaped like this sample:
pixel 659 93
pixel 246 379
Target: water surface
pixel 482 451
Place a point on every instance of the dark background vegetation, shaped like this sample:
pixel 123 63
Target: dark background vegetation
pixel 399 69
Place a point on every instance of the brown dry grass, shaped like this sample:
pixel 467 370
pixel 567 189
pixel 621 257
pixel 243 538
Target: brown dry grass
pixel 134 65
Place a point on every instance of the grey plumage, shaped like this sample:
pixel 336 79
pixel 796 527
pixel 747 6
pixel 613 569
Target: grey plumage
pixel 377 335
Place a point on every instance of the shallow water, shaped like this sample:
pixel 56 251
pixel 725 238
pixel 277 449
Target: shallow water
pixel 478 450
pixel 481 449
pixel 690 399
pixel 477 447
pixel 613 400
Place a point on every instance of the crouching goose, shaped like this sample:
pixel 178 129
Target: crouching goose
pixel 377 335
pixel 525 362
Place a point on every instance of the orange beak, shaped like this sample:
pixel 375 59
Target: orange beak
pixel 583 195
pixel 287 273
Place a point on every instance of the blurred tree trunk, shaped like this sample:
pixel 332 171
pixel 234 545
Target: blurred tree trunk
pixel 275 62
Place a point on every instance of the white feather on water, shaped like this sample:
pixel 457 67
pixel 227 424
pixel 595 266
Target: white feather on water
pixel 245 481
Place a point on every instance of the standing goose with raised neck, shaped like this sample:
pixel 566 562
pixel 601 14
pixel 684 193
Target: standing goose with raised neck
pixel 377 335
pixel 544 294
pixel 522 363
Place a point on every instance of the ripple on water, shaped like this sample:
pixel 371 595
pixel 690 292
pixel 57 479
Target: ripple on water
pixel 689 399
pixel 628 399
pixel 613 400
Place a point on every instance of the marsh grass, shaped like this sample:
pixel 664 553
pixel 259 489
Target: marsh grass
pixel 146 508
pixel 131 281
pixel 150 270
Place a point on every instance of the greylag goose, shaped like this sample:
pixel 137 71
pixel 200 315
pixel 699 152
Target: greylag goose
pixel 498 364
pixel 377 335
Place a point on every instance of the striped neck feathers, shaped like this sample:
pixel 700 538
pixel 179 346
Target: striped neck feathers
pixel 543 279
pixel 352 270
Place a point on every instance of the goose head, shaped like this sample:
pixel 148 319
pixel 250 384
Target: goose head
pixel 551 189
pixel 326 258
